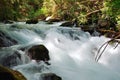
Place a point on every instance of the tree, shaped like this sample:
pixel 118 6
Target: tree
pixel 10 9
pixel 111 9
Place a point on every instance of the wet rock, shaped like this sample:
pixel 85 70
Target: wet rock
pixel 39 52
pixel 23 48
pixel 9 74
pixel 72 23
pixel 10 58
pixel 67 23
pixel 53 20
pixel 50 21
pixel 32 21
pixel 90 28
pixel 8 21
pixel 50 76
pixel 6 41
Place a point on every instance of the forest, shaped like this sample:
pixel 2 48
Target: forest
pixel 83 10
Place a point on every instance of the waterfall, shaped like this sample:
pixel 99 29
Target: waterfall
pixel 71 50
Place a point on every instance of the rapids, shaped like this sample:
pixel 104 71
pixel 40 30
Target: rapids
pixel 72 52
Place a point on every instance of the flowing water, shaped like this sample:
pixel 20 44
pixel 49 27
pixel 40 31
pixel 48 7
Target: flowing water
pixel 72 52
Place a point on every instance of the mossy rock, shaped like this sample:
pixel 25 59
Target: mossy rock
pixel 9 74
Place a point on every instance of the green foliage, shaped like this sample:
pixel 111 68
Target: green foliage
pixel 112 8
pixel 34 8
pixel 16 9
pixel 9 9
pixel 42 11
pixel 64 9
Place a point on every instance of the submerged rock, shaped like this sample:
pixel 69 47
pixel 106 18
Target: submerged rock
pixel 39 52
pixel 32 21
pixel 9 74
pixel 6 41
pixel 10 58
pixel 50 76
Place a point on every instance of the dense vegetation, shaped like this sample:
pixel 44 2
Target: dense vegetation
pixel 83 10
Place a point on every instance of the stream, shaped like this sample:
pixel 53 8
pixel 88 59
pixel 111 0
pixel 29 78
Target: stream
pixel 72 52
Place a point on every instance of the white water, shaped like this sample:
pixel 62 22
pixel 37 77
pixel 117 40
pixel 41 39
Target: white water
pixel 71 50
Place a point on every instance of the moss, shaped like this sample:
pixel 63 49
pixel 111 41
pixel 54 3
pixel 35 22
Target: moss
pixel 6 73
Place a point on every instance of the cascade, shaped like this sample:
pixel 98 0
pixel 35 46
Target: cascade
pixel 71 52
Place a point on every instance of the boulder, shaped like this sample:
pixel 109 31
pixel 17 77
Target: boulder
pixel 6 41
pixel 50 76
pixel 9 74
pixel 32 21
pixel 39 52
